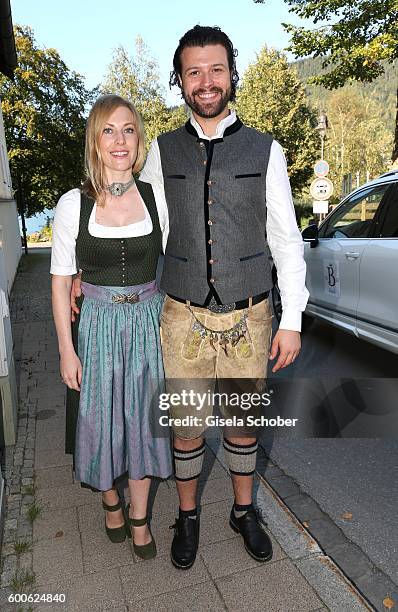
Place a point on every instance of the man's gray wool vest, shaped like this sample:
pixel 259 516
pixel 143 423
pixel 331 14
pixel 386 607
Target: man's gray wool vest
pixel 215 192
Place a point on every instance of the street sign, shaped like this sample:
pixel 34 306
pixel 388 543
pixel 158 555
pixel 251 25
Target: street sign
pixel 320 206
pixel 321 168
pixel 321 189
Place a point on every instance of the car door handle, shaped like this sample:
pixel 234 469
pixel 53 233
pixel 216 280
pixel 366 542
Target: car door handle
pixel 352 255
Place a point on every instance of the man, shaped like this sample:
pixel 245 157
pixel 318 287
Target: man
pixel 227 194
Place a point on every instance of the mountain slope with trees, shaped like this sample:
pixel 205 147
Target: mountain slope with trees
pixel 382 90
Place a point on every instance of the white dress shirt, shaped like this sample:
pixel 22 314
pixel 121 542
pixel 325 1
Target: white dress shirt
pixel 284 238
pixel 66 229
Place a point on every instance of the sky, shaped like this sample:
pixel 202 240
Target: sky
pixel 85 32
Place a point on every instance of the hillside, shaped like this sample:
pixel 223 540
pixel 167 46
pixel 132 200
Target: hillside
pixel 383 90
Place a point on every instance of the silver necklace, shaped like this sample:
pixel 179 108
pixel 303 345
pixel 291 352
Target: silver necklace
pixel 118 189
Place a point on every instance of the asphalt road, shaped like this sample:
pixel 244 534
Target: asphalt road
pixel 357 471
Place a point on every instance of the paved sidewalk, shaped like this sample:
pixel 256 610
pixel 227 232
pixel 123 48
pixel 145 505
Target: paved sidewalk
pixel 62 548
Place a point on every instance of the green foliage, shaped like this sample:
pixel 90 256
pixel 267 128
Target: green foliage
pixel 303 212
pixel 137 78
pixel 352 39
pixel 382 90
pixel 22 581
pixel 272 99
pixel 22 546
pixel 43 110
pixel 177 117
pixel 45 234
pixel 33 512
pixel 28 489
pixel 358 141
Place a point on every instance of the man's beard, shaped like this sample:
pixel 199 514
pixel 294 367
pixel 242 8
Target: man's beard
pixel 206 110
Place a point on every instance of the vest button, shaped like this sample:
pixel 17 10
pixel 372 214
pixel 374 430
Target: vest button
pixel 210 222
pixel 202 144
pixel 210 241
pixel 204 162
pixel 211 261
pixel 210 201
pixel 212 280
pixel 209 183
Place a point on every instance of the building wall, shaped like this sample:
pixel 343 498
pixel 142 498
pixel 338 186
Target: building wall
pixel 10 239
pixel 6 192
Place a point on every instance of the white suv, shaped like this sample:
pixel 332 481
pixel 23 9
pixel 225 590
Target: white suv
pixel 352 264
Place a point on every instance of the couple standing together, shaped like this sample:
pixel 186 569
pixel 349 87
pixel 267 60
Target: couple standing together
pixel 213 193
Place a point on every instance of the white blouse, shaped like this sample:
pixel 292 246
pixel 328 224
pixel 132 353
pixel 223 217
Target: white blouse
pixel 66 229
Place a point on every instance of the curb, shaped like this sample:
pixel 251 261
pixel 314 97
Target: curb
pixel 371 584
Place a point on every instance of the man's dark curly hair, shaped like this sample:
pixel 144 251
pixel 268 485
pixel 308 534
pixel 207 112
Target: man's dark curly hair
pixel 200 36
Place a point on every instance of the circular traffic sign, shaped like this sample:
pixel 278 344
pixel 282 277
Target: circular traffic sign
pixel 321 189
pixel 321 168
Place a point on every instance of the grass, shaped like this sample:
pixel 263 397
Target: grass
pixel 22 580
pixel 22 546
pixel 28 490
pixel 33 512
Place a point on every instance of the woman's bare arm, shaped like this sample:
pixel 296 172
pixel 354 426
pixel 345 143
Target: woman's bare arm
pixel 70 366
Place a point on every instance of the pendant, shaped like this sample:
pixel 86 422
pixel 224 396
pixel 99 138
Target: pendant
pixel 118 189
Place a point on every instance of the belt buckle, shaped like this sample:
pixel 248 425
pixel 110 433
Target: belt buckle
pixel 130 298
pixel 220 308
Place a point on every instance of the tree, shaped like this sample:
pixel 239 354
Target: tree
pixel 361 35
pixel 137 78
pixel 358 140
pixel 177 117
pixel 43 110
pixel 272 99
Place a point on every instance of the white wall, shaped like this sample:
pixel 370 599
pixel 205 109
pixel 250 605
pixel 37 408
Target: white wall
pixel 8 388
pixel 10 240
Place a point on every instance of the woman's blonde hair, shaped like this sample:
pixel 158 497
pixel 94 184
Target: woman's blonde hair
pixel 95 182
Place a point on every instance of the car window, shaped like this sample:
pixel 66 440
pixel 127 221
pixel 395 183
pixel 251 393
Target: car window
pixel 354 218
pixel 389 221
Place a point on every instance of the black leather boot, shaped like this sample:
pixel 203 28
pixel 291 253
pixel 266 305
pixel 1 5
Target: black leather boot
pixel 185 542
pixel 257 543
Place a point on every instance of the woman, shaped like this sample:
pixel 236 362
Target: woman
pixel 111 228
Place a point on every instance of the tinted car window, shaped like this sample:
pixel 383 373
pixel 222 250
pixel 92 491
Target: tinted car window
pixel 389 221
pixel 354 218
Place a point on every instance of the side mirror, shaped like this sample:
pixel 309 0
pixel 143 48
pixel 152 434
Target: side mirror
pixel 310 234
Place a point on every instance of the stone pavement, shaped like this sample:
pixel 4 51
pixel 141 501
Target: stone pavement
pixel 54 539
